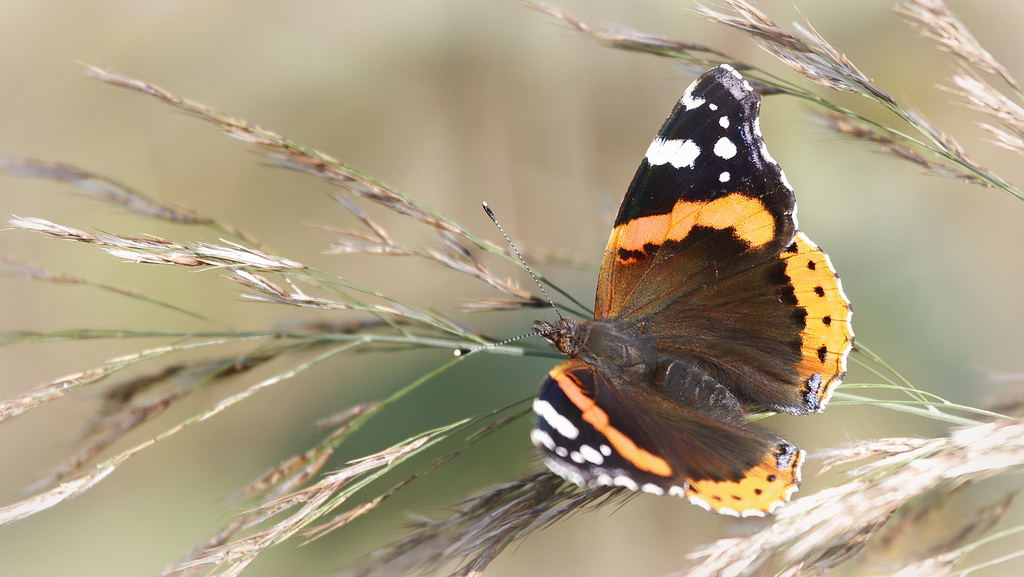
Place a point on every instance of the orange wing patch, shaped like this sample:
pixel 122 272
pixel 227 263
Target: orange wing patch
pixel 598 419
pixel 749 217
pixel 828 335
pixel 762 490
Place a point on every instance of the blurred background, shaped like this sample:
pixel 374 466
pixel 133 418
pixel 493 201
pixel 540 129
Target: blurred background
pixel 453 102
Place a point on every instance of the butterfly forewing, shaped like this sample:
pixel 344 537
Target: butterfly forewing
pixel 706 199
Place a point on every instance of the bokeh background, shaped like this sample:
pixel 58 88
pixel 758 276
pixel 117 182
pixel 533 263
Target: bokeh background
pixel 453 102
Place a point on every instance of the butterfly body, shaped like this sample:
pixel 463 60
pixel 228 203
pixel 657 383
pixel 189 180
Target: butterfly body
pixel 710 305
pixel 617 349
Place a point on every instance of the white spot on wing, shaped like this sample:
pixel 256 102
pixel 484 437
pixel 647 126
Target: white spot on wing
pixel 678 153
pixel 624 481
pixel 562 452
pixel 575 456
pixel 565 471
pixel 605 450
pixel 699 502
pixel 558 422
pixel 688 100
pixel 591 454
pixel 724 177
pixel 542 439
pixel 676 491
pixel 724 148
pixel 724 122
pixel 652 489
pixel 729 511
pixel 713 106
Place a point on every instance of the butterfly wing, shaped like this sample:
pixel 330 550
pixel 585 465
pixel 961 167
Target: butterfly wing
pixel 594 432
pixel 710 303
pixel 705 257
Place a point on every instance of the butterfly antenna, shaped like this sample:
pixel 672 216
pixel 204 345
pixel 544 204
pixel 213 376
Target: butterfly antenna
pixel 462 352
pixel 494 219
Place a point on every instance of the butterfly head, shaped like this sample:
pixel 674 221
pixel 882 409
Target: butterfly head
pixel 566 335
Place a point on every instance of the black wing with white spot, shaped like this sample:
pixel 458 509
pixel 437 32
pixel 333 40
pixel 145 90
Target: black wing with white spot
pixel 709 148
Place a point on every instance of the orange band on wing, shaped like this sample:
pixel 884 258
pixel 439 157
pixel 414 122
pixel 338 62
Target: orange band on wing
pixel 761 490
pixel 752 222
pixel 598 419
pixel 827 336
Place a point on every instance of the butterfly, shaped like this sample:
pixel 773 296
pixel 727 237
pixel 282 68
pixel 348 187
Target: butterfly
pixel 711 305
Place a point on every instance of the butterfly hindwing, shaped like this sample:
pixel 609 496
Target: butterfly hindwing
pixel 595 432
pixel 776 334
pixel 827 335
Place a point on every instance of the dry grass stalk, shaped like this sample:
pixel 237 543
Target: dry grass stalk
pixel 454 254
pixel 843 124
pixel 816 59
pixel 457 257
pixel 808 53
pixel 17 267
pixel 309 503
pixel 937 566
pixel 622 38
pixel 101 188
pixel 66 490
pixel 810 536
pixel 39 395
pixel 154 250
pixel 482 527
pixel 274 293
pixel 83 482
pixel 379 232
pixel 123 411
pixel 287 476
pixel 981 96
pixel 938 23
pixel 1004 139
pixel 811 55
pixel 973 528
pixel 490 305
pixel 282 489
pixel 20 268
pixel 286 153
pixel 340 421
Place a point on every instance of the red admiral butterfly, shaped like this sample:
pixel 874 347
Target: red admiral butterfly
pixel 710 305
